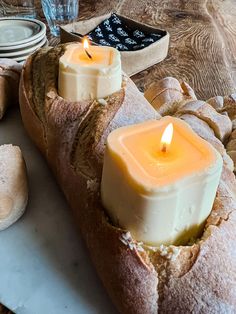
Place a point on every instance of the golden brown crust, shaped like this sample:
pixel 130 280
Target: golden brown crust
pixel 9 83
pixel 13 185
pixel 138 279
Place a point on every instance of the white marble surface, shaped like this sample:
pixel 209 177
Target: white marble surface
pixel 44 265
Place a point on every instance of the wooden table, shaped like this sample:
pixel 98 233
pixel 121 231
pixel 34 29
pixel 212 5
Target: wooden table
pixel 202 47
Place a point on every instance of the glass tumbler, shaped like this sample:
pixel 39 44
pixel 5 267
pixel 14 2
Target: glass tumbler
pixel 21 8
pixel 59 12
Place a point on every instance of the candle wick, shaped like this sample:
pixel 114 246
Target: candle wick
pixel 164 148
pixel 88 54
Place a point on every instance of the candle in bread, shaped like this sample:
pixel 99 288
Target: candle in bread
pixel 160 190
pixel 89 72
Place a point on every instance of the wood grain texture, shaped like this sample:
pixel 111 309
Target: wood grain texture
pixel 202 46
pixel 203 39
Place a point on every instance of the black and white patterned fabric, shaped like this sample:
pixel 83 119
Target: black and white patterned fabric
pixel 115 33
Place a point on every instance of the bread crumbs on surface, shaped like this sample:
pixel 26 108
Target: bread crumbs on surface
pixel 170 252
pixel 102 102
pixel 92 185
pixel 126 239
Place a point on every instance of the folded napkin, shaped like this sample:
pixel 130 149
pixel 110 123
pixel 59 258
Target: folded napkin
pixel 10 72
pixel 140 45
pixel 116 33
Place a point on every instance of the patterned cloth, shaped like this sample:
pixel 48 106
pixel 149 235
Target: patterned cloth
pixel 115 33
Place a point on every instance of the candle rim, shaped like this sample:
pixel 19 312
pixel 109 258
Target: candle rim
pixel 66 61
pixel 157 184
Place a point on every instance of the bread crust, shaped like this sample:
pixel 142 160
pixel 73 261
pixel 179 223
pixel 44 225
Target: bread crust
pixel 198 278
pixel 13 185
pixel 9 82
pixel 221 124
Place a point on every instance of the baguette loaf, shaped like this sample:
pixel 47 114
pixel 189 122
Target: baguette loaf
pixel 198 278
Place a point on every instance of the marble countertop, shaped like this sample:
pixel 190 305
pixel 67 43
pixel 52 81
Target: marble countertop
pixel 44 265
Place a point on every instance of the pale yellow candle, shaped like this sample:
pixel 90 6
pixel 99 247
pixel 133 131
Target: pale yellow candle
pixel 89 72
pixel 161 192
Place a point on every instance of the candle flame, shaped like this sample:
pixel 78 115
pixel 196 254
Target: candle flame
pixel 167 137
pixel 86 43
pixel 86 47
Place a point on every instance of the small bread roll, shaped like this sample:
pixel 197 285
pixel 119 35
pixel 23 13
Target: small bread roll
pixel 168 94
pixel 156 88
pixel 216 102
pixel 231 144
pixel 232 154
pixel 233 135
pixel 167 102
pixel 13 185
pixel 230 106
pixel 221 124
pixel 10 72
pixel 198 125
pixel 188 91
pixel 228 161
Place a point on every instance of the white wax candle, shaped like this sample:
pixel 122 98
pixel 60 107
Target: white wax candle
pixel 85 76
pixel 161 195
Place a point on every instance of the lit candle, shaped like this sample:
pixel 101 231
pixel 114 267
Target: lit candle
pixel 89 72
pixel 86 47
pixel 166 137
pixel 160 190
